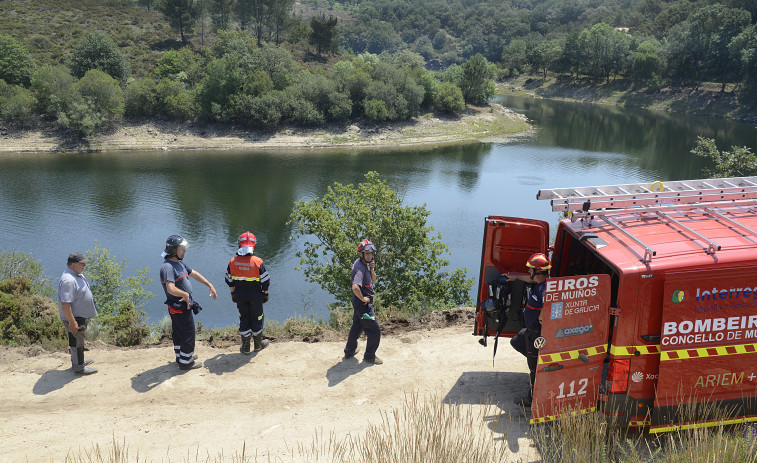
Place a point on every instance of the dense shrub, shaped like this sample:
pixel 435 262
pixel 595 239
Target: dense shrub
pixel 265 110
pixel 376 110
pixel 27 318
pixel 119 300
pixel 322 100
pixel 275 61
pixel 16 264
pixel 140 98
pixel 55 89
pixel 98 51
pixel 222 80
pixel 16 66
pixel 82 118
pixel 174 100
pixel 16 103
pixel 449 98
pixel 104 94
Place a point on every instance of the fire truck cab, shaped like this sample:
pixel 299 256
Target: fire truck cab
pixel 650 312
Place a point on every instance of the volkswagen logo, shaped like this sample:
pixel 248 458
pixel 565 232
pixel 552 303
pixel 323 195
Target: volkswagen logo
pixel 540 342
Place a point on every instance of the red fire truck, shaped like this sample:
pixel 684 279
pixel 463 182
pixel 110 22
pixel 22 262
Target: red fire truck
pixel 650 311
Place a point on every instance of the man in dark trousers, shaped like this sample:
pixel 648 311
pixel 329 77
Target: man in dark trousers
pixel 523 342
pixel 363 318
pixel 174 275
pixel 248 281
pixel 76 307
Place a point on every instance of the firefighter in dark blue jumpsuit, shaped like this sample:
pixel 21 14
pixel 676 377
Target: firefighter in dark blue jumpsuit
pixel 174 275
pixel 523 342
pixel 248 281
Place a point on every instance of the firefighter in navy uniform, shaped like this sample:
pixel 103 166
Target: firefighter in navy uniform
pixel 174 275
pixel 523 342
pixel 248 281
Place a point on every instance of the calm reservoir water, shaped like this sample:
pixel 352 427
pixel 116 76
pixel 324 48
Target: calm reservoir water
pixel 52 204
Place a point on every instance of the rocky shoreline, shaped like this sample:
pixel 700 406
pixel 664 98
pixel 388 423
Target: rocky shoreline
pixel 155 135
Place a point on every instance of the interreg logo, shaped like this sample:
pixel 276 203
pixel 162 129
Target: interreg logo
pixel 679 296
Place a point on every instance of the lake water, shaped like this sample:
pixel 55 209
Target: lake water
pixel 52 204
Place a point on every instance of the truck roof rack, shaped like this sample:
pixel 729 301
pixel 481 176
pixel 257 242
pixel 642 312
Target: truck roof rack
pixel 640 199
pixel 634 195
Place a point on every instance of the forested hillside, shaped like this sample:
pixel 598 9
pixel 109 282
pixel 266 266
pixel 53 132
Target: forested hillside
pixel 262 63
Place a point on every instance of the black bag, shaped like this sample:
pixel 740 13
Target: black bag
pixel 196 308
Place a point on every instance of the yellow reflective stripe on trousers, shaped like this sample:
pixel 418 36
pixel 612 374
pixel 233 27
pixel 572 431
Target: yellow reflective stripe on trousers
pixel 571 354
pixel 699 352
pixel 647 349
pixel 562 415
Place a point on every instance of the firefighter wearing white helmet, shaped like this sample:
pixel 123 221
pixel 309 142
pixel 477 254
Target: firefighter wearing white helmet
pixel 538 265
pixel 174 275
pixel 248 281
pixel 363 317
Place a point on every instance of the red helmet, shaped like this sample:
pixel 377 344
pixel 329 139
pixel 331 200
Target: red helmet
pixel 539 261
pixel 247 239
pixel 366 246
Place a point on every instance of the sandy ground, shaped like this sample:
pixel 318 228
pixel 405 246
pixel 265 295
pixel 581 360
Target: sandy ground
pixel 473 124
pixel 268 402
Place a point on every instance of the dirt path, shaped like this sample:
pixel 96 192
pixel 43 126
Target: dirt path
pixel 270 402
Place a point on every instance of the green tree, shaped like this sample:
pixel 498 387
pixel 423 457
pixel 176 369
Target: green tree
pixel 739 162
pixel 256 15
pixel 281 18
pixel 16 103
pixel 606 51
pixel 140 98
pixel 514 55
pixel 712 29
pixel 103 93
pixel 743 50
pixel 16 65
pixel 221 13
pixel 544 55
pixel 324 35
pixel 647 65
pixel 276 62
pixel 181 15
pixel 98 51
pixel 449 98
pixel 476 80
pixel 408 252
pixel 119 300
pixel 223 79
pixel 55 89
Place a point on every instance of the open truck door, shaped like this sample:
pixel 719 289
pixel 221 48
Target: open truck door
pixel 508 243
pixel 708 350
pixel 572 346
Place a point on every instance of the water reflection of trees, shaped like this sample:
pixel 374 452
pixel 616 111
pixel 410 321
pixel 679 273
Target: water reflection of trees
pixel 256 191
pixel 656 141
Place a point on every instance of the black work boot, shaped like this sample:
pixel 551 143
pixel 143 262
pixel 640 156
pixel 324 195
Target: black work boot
pixel 260 343
pixel 245 349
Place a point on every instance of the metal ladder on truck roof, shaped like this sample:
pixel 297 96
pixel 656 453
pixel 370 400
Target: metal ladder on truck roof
pixel 602 201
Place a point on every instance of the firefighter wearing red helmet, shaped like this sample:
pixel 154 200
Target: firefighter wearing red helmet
pixel 363 317
pixel 523 342
pixel 248 281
